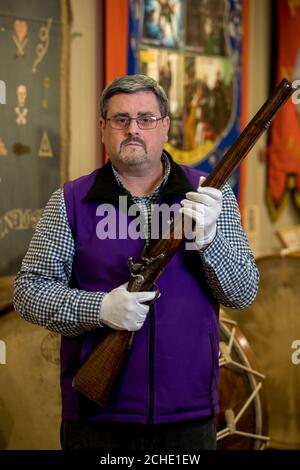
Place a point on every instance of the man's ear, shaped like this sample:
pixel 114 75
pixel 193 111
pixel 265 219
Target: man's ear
pixel 166 124
pixel 102 126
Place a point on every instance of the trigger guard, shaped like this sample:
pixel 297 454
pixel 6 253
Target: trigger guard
pixel 151 302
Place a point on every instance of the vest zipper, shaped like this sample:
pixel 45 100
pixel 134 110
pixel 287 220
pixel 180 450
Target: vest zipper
pixel 212 373
pixel 151 365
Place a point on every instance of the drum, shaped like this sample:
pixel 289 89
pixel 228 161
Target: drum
pixel 242 422
pixel 29 386
pixel 272 327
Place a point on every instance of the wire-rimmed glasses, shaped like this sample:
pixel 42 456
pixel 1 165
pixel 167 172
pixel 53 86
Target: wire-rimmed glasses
pixel 143 122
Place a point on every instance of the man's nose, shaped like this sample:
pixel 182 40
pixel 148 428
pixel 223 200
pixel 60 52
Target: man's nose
pixel 133 127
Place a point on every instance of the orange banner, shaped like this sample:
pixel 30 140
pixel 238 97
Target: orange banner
pixel 284 149
pixel 116 39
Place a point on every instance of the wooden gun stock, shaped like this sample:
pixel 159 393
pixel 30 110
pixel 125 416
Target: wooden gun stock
pixel 98 375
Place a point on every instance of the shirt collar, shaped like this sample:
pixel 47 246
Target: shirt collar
pixel 159 187
pixel 106 188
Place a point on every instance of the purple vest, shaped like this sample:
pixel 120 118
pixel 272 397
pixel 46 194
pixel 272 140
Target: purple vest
pixel 171 372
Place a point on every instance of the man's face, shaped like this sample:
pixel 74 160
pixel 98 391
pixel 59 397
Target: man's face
pixel 134 146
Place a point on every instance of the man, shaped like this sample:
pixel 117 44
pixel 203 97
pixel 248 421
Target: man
pixel 73 281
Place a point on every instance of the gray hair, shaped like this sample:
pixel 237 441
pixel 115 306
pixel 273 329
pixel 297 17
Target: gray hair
pixel 132 84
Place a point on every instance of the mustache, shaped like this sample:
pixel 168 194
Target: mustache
pixel 133 139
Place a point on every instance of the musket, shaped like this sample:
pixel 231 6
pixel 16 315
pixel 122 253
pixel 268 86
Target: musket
pixel 97 377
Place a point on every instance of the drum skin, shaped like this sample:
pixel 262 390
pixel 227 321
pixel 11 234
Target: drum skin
pixel 271 325
pixel 29 386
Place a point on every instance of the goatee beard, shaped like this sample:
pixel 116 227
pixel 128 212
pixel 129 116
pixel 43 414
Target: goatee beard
pixel 132 159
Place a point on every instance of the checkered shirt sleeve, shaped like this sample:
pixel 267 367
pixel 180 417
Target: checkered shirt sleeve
pixel 228 261
pixel 42 294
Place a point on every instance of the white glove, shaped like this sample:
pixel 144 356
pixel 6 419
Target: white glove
pixel 123 310
pixel 204 207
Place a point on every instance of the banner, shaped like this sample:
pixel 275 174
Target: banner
pixel 193 48
pixel 34 55
pixel 283 162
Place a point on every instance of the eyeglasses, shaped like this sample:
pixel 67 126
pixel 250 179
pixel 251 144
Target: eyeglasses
pixel 143 122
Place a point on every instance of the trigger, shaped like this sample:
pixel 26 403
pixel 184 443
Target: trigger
pixel 157 294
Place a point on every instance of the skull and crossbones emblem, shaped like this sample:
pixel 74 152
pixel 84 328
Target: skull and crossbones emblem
pixel 21 110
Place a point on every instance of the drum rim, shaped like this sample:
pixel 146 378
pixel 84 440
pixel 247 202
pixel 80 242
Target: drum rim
pixel 245 352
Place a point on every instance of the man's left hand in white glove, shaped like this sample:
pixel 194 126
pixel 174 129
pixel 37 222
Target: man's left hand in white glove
pixel 203 207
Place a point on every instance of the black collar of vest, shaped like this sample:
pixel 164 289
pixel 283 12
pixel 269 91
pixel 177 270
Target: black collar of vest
pixel 106 188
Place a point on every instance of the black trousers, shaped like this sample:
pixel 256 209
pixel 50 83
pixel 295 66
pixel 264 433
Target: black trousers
pixel 197 434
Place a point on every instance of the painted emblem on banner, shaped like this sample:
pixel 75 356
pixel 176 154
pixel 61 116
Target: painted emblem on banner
pixel 192 49
pixel 20 40
pixel 46 84
pixel 45 146
pixel 21 110
pixel 163 23
pixel 18 219
pixel 43 45
pixel 3 149
pixel 20 149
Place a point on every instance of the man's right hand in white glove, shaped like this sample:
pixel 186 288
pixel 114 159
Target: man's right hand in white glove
pixel 124 310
